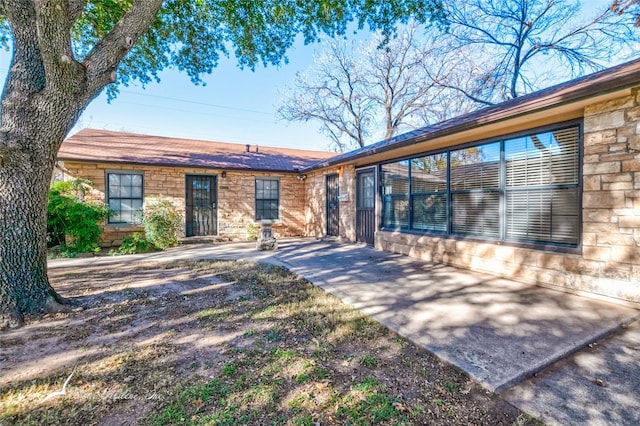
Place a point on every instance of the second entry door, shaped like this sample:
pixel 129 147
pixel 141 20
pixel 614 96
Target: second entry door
pixel 333 205
pixel 201 212
pixel 365 206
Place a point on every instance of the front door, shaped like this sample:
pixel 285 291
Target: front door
pixel 201 212
pixel 365 206
pixel 333 206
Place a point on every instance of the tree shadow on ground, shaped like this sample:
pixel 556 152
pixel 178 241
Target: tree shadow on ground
pixel 500 331
pixel 158 343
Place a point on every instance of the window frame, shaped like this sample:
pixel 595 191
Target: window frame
pixel 396 197
pixel 277 200
pixel 109 197
pixel 551 189
pixel 475 193
pixel 431 192
pixel 502 190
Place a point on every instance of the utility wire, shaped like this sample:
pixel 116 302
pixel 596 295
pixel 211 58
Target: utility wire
pixel 196 102
pixel 166 108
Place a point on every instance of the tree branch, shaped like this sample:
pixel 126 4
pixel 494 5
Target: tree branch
pixel 102 61
pixel 76 7
pixel 26 65
pixel 54 38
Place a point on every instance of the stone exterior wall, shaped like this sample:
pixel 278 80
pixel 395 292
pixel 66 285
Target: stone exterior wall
pixel 611 197
pixel 608 261
pixel 236 204
pixel 236 197
pixel 348 204
pixel 316 203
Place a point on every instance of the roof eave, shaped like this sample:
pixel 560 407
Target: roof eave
pixel 187 166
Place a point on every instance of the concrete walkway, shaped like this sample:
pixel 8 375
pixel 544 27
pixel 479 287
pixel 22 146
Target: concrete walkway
pixel 499 331
pixel 599 385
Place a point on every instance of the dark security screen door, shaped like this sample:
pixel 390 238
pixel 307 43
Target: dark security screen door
pixel 201 206
pixel 365 206
pixel 333 206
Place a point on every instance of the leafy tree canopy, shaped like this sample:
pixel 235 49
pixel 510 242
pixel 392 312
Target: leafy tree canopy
pixel 192 35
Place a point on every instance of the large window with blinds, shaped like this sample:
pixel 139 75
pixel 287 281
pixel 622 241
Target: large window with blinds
pixel 520 189
pixel 541 188
pixel 395 195
pixel 429 193
pixel 475 190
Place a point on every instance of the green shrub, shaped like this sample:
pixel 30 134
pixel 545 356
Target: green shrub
pixel 252 231
pixel 73 221
pixel 161 224
pixel 132 244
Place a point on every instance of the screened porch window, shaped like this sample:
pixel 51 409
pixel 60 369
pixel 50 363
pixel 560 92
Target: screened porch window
pixel 521 189
pixel 125 196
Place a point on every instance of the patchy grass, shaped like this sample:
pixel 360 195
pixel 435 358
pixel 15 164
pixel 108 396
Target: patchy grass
pixel 220 342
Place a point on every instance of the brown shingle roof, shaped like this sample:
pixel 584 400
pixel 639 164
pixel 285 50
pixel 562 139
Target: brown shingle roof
pixel 119 147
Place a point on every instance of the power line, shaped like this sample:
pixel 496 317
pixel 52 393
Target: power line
pixel 196 102
pixel 166 108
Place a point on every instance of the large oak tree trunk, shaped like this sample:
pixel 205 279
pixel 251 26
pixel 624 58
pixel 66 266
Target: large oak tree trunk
pixel 24 287
pixel 40 101
pixel 45 92
pixel 34 124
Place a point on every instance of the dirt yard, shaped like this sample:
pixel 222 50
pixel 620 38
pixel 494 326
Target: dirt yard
pixel 220 342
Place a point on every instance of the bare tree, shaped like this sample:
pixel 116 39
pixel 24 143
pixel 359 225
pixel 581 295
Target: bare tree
pixel 398 80
pixel 453 76
pixel 390 84
pixel 494 50
pixel 627 6
pixel 332 92
pixel 534 43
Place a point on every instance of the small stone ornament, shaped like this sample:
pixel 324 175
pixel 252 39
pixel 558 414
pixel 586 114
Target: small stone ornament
pixel 266 240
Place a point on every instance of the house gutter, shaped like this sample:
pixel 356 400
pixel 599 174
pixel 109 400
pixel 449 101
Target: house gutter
pixel 607 81
pixel 174 165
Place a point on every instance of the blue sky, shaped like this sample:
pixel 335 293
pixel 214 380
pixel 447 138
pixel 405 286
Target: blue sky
pixel 235 105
